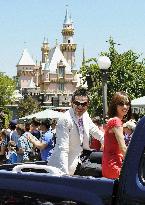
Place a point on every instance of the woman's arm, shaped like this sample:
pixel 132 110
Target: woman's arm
pixel 37 143
pixel 118 131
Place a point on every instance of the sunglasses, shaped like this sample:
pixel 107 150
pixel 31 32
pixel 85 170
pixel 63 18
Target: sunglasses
pixel 79 103
pixel 123 103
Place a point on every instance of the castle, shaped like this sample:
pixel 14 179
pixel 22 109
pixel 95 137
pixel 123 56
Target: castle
pixel 56 76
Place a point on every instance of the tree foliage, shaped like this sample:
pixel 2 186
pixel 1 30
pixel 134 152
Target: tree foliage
pixel 126 73
pixel 7 87
pixel 27 106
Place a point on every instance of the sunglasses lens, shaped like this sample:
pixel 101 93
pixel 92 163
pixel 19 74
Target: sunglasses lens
pixel 82 104
pixel 123 103
pixel 77 103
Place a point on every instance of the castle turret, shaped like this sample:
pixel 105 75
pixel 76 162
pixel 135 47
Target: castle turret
pixel 45 50
pixel 25 70
pixel 68 47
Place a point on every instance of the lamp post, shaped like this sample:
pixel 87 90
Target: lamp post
pixel 104 63
pixel 89 80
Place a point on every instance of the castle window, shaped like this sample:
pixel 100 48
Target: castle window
pixel 61 71
pixel 61 86
pixel 68 41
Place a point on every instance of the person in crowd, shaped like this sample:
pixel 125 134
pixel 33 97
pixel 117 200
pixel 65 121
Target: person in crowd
pixel 29 150
pixel 13 135
pixel 73 131
pixel 53 125
pixel 114 143
pixel 135 117
pixel 53 129
pixel 128 129
pixel 11 156
pixel 45 143
pixel 3 145
pixel 95 144
pixel 24 147
pixel 34 128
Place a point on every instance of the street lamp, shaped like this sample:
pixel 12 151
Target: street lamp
pixel 104 63
pixel 89 80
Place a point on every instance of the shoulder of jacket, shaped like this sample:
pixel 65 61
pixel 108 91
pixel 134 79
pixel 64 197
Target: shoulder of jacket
pixel 87 117
pixel 66 119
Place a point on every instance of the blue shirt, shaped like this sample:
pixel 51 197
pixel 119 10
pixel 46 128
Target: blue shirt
pixel 47 138
pixel 14 136
pixel 12 157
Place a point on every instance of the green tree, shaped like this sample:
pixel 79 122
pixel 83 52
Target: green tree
pixel 127 73
pixel 27 106
pixel 7 87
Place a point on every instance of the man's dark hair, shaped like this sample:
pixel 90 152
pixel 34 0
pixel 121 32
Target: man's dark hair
pixel 80 92
pixel 46 123
pixel 35 122
pixel 12 124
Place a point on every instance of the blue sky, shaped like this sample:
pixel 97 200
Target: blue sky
pixel 94 20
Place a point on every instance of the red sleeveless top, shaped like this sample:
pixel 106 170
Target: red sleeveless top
pixel 112 156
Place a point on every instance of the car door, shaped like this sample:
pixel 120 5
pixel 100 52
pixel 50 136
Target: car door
pixel 131 189
pixel 43 188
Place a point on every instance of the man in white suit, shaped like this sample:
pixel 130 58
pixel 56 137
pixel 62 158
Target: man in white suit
pixel 72 134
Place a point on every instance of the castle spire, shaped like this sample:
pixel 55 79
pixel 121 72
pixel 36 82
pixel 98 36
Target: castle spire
pixel 68 47
pixel 45 50
pixel 67 19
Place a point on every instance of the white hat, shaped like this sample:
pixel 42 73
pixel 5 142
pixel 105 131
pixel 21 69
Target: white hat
pixel 131 124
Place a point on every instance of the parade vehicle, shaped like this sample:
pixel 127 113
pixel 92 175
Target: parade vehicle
pixel 21 184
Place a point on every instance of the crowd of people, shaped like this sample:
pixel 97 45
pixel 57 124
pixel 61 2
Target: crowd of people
pixel 65 143
pixel 27 142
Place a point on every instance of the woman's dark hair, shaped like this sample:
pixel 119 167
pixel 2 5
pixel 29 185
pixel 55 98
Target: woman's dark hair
pixel 80 92
pixel 27 127
pixel 117 98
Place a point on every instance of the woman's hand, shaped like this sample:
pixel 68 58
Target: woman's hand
pixel 29 137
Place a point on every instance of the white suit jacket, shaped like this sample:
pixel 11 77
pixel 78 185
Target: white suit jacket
pixel 67 151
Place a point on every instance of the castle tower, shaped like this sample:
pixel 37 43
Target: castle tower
pixel 68 47
pixel 44 50
pixel 25 70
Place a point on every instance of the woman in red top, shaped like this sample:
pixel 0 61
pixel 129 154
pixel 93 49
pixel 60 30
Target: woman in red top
pixel 114 144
